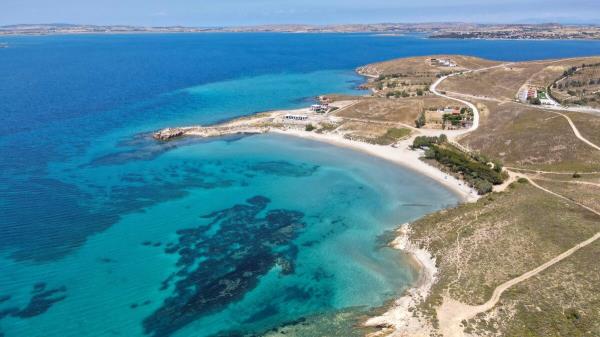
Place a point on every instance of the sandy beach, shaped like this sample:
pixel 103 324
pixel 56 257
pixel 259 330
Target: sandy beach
pixel 401 155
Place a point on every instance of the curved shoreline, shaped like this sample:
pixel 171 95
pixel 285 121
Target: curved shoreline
pixel 402 156
pixel 397 319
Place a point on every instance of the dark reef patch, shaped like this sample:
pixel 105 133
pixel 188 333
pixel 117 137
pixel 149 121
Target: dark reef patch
pixel 284 168
pixel 40 301
pixel 222 260
pixel 5 298
pixel 38 287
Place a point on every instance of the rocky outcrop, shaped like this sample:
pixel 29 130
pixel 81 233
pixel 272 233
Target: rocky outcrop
pixel 168 133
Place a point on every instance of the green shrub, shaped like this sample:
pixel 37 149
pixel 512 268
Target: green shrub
pixel 420 122
pixel 309 127
pixel 482 186
pixel 474 168
pixel 425 141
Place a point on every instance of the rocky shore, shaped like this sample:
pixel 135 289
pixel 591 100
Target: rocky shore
pixel 399 320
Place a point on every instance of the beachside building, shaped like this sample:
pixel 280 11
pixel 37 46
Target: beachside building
pixel 299 118
pixel 319 107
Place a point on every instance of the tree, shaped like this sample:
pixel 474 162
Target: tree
pixel 420 122
pixel 309 127
pixel 419 92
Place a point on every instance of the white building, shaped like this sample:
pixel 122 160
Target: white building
pixel 296 117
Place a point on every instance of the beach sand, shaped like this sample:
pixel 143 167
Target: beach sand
pixel 401 155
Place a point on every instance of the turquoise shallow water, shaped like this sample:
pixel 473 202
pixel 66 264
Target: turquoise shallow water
pixel 345 199
pixel 104 232
pixel 295 233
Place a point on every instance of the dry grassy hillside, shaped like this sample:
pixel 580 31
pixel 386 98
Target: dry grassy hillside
pixel 505 82
pixel 409 77
pixel 479 246
pixel 423 65
pixel 502 82
pixel 580 87
pixel 528 137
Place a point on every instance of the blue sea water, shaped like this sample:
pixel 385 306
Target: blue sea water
pixel 105 232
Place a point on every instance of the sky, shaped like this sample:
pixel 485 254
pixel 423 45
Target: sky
pixel 203 13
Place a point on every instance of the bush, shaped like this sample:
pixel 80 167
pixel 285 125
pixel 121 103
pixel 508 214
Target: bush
pixel 497 166
pixel 425 141
pixel 474 168
pixel 482 186
pixel 576 175
pixel 457 161
pixel 309 127
pixel 420 122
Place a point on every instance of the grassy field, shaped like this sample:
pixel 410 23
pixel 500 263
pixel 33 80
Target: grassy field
pixel 479 246
pixel 410 77
pixel 505 82
pixel 528 137
pixel 403 111
pixel 423 65
pixel 587 124
pixel 502 82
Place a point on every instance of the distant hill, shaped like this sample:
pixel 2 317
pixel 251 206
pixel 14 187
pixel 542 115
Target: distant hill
pixel 453 30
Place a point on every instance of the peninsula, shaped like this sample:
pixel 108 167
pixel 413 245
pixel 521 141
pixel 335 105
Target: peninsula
pixel 519 141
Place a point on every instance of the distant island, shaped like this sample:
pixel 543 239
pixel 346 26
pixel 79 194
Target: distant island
pixel 451 30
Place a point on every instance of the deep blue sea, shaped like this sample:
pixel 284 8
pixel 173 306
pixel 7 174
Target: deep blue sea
pixel 105 232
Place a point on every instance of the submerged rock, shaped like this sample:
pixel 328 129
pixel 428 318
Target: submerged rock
pixel 224 259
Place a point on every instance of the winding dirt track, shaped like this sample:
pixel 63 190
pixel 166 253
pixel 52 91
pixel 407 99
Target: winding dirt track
pixel 451 313
pixel 576 131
